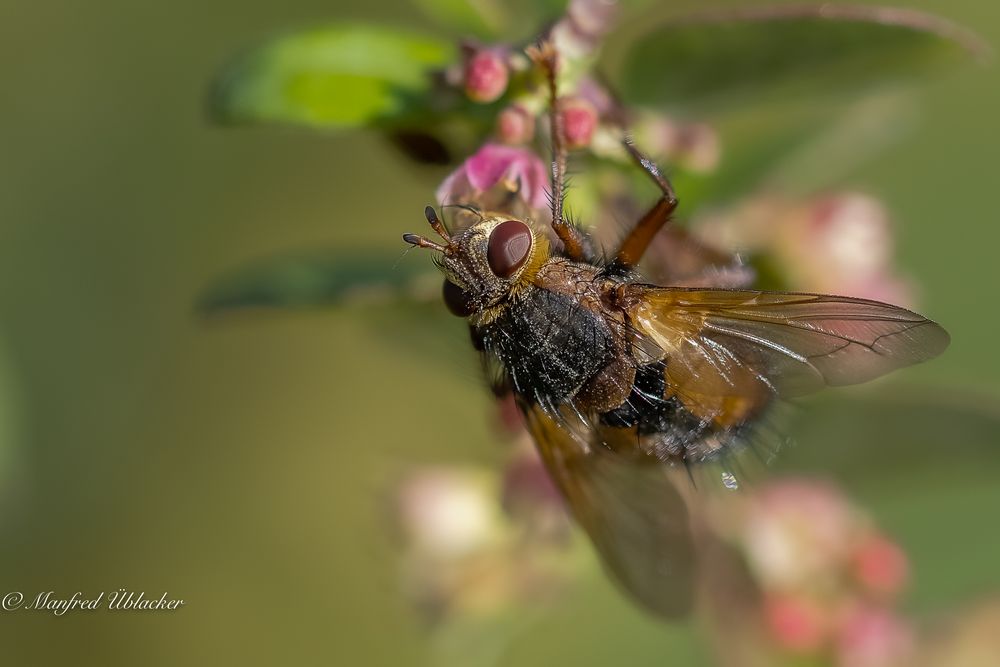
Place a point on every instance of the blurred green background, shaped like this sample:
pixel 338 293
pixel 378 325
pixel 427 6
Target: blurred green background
pixel 242 465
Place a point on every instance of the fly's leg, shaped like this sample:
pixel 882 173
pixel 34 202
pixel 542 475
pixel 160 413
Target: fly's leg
pixel 574 241
pixel 634 245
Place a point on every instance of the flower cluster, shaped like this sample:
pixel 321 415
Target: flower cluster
pixel 833 243
pixel 476 545
pixel 828 578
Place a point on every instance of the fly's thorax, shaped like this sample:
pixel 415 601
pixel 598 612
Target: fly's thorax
pixel 489 263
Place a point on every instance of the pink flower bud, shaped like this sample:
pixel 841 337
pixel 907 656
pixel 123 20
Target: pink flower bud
pixel 880 566
pixel 515 125
pixel 796 624
pixel 486 76
pixel 579 121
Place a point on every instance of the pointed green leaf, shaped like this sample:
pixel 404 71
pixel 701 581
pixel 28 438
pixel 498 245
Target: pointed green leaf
pixel 337 76
pixel 322 279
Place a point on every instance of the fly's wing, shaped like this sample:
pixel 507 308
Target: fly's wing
pixel 632 512
pixel 728 352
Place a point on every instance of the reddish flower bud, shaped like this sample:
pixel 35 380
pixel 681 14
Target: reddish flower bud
pixel 486 76
pixel 515 125
pixel 880 565
pixel 795 624
pixel 579 121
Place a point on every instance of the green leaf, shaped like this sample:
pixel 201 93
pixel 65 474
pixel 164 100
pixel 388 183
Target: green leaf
pixel 396 297
pixel 718 61
pixel 797 149
pixel 494 20
pixel 322 279
pixel 338 76
pixel 877 437
pixel 481 18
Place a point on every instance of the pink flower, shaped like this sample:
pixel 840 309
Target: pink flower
pixel 843 244
pixel 579 119
pixel 872 637
pixel 448 512
pixel 512 169
pixel 836 244
pixel 880 566
pixel 797 535
pixel 465 554
pixel 486 75
pixel 798 625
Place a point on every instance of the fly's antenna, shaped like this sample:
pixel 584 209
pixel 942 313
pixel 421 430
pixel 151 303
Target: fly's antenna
pixel 436 224
pixel 421 242
pixel 418 241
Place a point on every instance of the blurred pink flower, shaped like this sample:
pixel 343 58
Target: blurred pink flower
pixel 798 625
pixel 874 637
pixel 698 148
pixel 580 30
pixel 843 243
pixel 476 544
pixel 513 169
pixel 485 75
pixel 880 566
pixel 825 574
pixel 448 512
pixel 579 122
pixel 515 125
pixel 834 244
pixel 694 146
pixel 797 535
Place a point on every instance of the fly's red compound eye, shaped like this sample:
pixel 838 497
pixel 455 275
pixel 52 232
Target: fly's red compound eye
pixel 456 299
pixel 508 247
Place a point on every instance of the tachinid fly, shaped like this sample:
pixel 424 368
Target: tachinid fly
pixel 618 379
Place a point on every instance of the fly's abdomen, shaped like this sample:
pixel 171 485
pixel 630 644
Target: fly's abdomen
pixel 654 422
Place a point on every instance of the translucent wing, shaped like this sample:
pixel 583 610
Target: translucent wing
pixel 632 512
pixel 729 352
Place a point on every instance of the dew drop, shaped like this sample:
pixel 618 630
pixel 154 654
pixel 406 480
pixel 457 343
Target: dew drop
pixel 729 481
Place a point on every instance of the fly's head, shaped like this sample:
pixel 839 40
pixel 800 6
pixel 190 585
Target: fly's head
pixel 485 264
